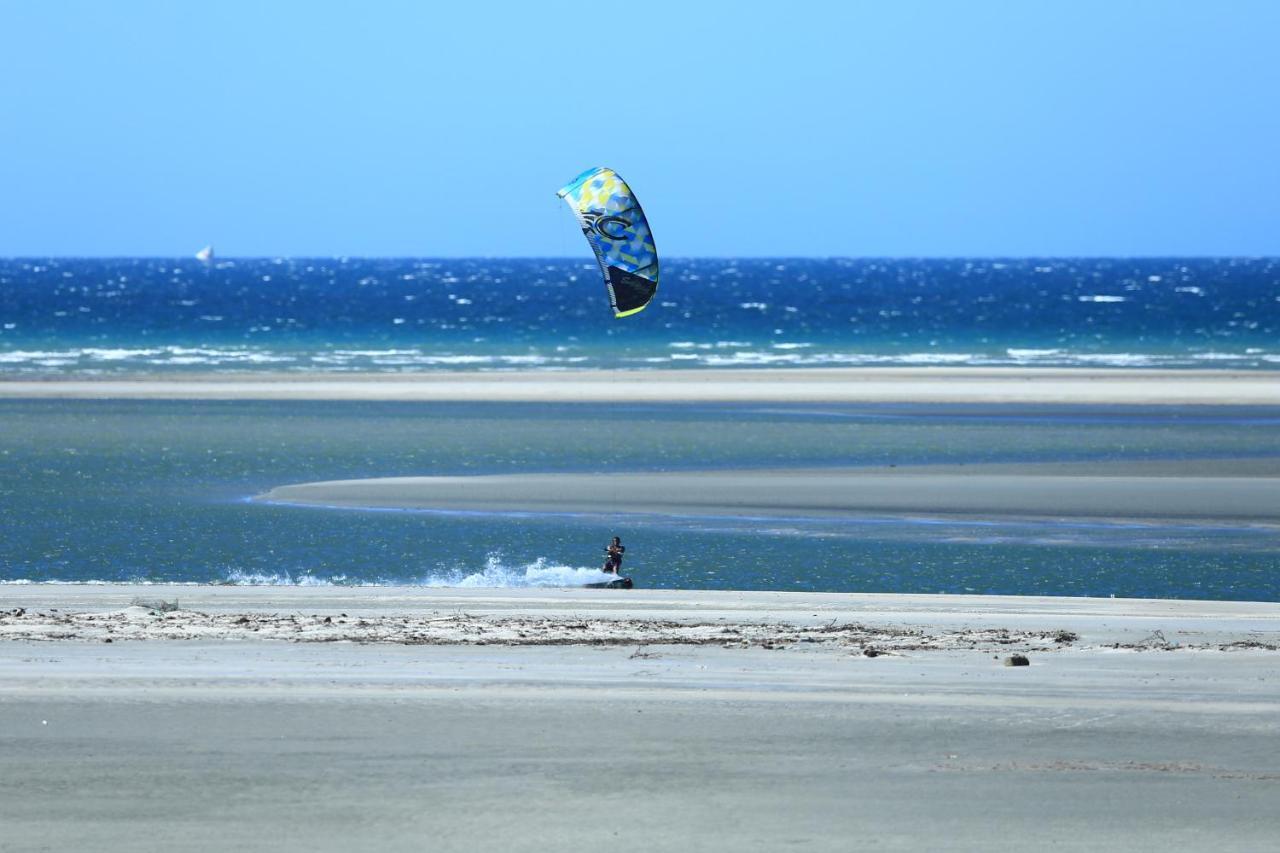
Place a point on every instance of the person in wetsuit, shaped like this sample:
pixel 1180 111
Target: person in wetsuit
pixel 613 556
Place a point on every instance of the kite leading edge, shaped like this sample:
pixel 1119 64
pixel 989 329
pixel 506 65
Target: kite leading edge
pixel 615 226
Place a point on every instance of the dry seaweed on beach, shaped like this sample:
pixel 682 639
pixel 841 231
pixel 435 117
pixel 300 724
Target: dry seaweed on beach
pixel 146 622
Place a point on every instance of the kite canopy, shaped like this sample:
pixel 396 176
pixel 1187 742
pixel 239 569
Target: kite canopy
pixel 614 225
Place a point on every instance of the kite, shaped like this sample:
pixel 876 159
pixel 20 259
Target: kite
pixel 619 234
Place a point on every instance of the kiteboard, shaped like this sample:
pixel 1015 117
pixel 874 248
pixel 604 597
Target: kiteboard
pixel 616 583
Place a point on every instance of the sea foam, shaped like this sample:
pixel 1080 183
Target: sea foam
pixel 542 572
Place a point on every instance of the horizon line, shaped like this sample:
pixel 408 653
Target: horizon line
pixel 589 259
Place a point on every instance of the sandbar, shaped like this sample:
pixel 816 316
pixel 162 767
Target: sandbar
pixel 1235 491
pixel 834 385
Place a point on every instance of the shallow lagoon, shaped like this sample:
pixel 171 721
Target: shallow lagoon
pixel 156 490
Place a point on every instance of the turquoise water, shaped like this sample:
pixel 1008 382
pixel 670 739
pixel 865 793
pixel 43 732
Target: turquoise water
pixel 156 491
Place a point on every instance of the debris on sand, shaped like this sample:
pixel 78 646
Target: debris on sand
pixel 1017 660
pixel 1155 640
pixel 165 620
pixel 157 604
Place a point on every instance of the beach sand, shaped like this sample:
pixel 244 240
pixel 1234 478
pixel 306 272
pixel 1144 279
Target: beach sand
pixel 1239 492
pixel 842 385
pixel 641 720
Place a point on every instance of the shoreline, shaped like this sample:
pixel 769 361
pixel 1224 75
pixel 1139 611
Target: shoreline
pixel 1081 386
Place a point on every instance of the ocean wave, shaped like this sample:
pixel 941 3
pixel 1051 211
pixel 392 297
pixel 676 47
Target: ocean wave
pixel 19 355
pixel 116 354
pixel 96 360
pixel 1216 356
pixel 236 577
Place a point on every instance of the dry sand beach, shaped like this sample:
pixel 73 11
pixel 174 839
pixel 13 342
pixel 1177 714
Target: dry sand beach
pixel 404 719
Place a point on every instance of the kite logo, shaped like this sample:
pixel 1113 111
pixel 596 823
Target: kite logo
pixel 608 227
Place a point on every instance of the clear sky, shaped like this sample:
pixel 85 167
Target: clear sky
pixel 780 128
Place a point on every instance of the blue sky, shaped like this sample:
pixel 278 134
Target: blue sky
pixel 747 129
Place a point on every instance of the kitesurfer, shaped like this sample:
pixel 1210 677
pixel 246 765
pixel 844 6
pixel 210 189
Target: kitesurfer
pixel 613 556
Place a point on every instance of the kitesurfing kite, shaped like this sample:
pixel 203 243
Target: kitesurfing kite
pixel 614 225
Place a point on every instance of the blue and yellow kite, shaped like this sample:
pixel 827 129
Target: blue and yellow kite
pixel 614 225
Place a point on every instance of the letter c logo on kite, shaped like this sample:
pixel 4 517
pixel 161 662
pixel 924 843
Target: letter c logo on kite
pixel 610 227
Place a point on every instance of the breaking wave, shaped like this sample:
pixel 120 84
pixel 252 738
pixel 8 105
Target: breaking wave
pixel 95 361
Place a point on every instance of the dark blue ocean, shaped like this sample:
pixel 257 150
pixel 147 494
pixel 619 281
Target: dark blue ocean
pixel 60 316
pixel 154 490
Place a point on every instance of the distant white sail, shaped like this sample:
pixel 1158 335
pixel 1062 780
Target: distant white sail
pixel 205 254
